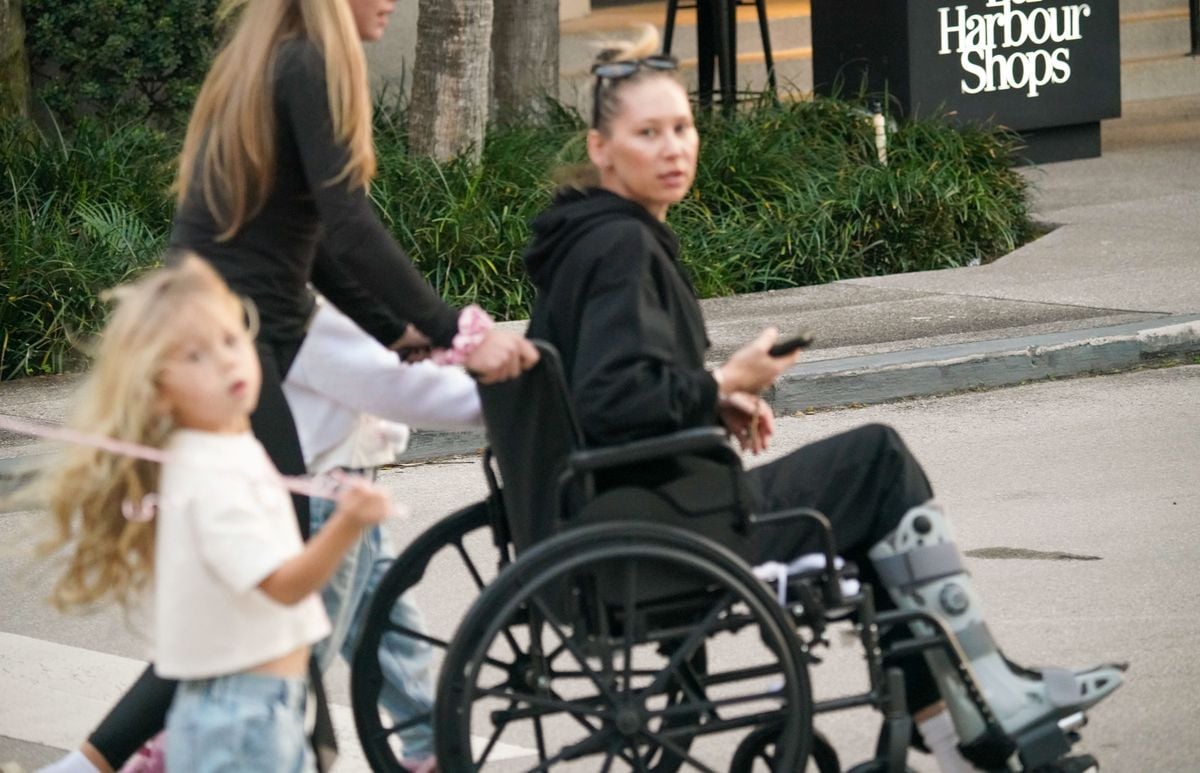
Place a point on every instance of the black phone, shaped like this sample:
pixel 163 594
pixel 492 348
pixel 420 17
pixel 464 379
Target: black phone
pixel 786 347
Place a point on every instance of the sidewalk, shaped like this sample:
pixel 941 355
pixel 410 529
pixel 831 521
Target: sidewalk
pixel 1115 285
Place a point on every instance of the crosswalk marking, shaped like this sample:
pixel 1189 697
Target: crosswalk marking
pixel 55 694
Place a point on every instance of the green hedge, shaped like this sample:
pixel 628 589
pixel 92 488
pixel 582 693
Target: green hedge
pixel 129 59
pixel 786 195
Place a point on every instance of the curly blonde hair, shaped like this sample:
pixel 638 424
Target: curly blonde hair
pixel 86 489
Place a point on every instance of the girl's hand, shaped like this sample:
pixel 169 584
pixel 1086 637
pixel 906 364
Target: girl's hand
pixel 501 356
pixel 751 369
pixel 362 502
pixel 749 419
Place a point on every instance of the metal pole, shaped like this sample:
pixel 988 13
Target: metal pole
pixel 1194 20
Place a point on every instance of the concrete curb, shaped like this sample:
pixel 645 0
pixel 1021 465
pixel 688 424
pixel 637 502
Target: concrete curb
pixel 984 364
pixel 938 370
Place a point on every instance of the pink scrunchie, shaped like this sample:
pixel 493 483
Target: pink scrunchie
pixel 473 325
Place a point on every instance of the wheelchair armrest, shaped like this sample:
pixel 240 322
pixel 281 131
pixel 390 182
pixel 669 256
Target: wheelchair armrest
pixel 833 589
pixel 690 441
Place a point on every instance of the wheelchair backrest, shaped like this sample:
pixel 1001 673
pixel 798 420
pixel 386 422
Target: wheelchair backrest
pixel 532 428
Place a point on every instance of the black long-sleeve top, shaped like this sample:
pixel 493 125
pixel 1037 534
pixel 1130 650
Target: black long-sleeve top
pixel 311 230
pixel 620 309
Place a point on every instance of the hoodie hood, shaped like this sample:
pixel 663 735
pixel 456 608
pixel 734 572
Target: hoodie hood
pixel 574 213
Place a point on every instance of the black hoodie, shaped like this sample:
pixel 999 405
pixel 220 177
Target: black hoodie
pixel 615 302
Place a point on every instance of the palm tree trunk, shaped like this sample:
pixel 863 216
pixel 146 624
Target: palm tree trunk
pixel 448 108
pixel 14 68
pixel 524 57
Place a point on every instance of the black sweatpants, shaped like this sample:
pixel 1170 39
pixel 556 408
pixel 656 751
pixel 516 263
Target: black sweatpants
pixel 864 481
pixel 142 711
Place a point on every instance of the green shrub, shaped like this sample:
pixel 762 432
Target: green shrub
pixel 125 59
pixel 79 217
pixel 786 195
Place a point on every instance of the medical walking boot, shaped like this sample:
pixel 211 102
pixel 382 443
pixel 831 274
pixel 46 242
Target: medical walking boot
pixel 1028 717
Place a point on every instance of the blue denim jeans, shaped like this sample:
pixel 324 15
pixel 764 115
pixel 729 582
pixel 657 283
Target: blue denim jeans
pixel 239 722
pixel 406 664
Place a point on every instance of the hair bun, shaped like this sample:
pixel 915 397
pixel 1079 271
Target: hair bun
pixel 640 47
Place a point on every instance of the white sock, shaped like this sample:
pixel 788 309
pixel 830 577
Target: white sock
pixel 74 762
pixel 940 736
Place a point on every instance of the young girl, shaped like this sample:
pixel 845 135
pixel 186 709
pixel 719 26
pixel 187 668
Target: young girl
pixel 234 602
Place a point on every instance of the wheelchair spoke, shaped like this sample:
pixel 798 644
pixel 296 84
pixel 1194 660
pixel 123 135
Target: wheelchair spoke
pixel 410 633
pixel 491 744
pixel 539 734
pixel 677 750
pixel 639 764
pixel 580 657
pixel 471 568
pixel 689 645
pixel 630 611
pixel 404 630
pixel 422 718
pixel 570 707
pixel 593 745
pixel 709 706
pixel 559 650
pixel 477 578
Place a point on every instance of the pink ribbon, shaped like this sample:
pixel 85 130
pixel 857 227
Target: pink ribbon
pixel 473 326
pixel 318 486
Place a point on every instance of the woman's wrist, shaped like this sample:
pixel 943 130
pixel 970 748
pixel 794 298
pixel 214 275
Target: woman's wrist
pixel 474 324
pixel 722 378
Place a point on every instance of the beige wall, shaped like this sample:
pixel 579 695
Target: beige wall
pixel 389 60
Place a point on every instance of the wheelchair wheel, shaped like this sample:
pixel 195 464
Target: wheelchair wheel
pixel 539 670
pixel 757 753
pixel 462 541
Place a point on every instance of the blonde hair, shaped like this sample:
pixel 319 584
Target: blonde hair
pixel 230 140
pixel 87 489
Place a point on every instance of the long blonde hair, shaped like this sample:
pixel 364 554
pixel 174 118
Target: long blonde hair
pixel 87 490
pixel 230 140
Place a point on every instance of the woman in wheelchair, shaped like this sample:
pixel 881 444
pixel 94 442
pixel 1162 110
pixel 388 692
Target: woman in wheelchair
pixel 615 301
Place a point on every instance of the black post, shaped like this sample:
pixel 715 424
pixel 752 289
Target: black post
pixel 1194 19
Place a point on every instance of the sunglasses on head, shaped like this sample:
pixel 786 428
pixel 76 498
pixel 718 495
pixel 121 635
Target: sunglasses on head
pixel 627 67
pixel 615 71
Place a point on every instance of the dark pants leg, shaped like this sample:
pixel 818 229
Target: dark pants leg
pixel 135 719
pixel 142 711
pixel 864 481
pixel 273 424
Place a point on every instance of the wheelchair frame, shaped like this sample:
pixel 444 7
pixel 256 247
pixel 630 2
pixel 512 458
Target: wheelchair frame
pixel 520 415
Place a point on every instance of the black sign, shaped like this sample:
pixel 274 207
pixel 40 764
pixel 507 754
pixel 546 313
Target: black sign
pixel 1027 64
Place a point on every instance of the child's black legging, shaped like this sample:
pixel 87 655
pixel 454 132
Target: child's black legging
pixel 142 711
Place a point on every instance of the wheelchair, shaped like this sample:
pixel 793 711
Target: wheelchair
pixel 616 627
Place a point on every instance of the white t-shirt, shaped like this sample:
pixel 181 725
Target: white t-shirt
pixel 224 525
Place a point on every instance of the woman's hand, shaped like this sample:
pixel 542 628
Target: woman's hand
pixel 751 369
pixel 501 356
pixel 413 346
pixel 749 419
